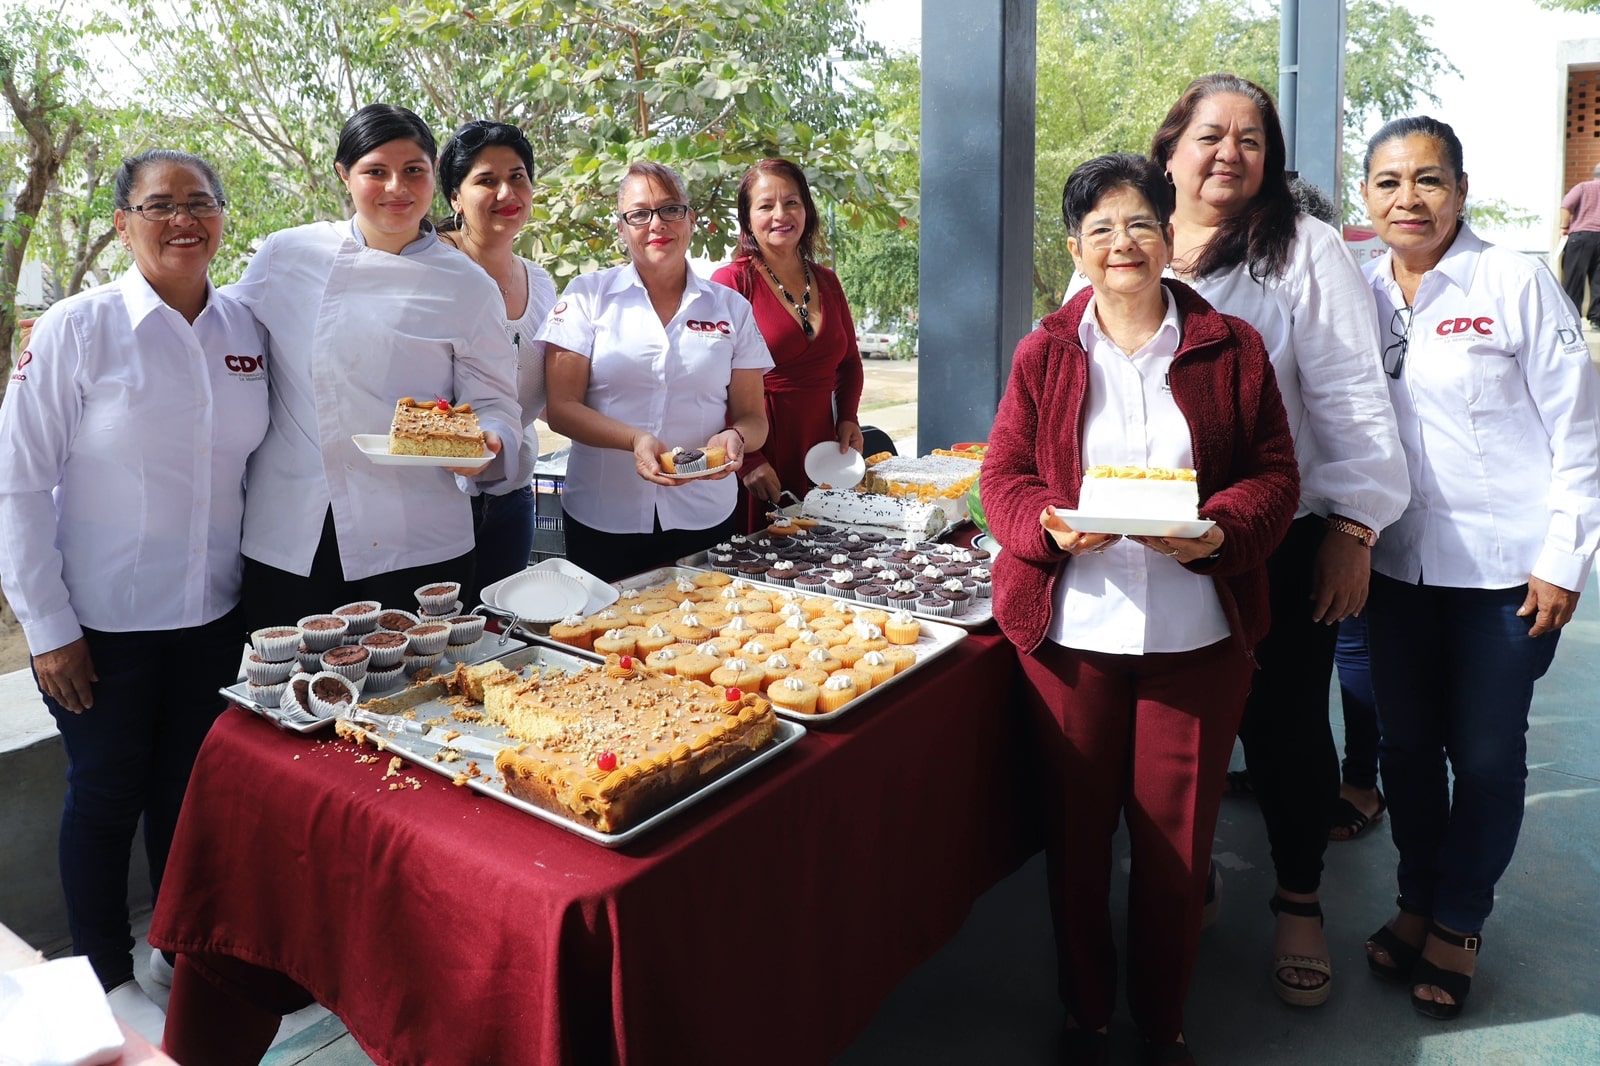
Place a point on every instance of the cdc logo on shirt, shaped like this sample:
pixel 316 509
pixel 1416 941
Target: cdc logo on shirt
pixel 246 367
pixel 22 360
pixel 698 326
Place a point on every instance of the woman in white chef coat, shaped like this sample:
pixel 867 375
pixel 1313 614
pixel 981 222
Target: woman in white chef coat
pixel 361 313
pixel 642 358
pixel 486 175
pixel 1499 415
pixel 125 429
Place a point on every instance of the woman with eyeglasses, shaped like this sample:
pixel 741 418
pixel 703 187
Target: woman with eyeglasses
pixel 126 428
pixel 640 359
pixel 1500 420
pixel 486 176
pixel 1135 652
pixel 362 313
pixel 815 386
pixel 1243 243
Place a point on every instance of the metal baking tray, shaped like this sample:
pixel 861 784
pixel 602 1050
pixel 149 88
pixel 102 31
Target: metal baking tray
pixel 492 646
pixel 937 638
pixel 980 612
pixel 422 703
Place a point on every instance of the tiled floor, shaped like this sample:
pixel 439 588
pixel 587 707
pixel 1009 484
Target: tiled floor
pixel 987 996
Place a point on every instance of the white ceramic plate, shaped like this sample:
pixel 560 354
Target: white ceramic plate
pixel 375 446
pixel 989 544
pixel 539 595
pixel 697 474
pixel 1133 527
pixel 825 466
pixel 601 595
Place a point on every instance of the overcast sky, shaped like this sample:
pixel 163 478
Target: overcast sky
pixel 1506 106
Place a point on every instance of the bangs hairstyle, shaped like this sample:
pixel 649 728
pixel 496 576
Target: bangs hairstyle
pixel 778 168
pixel 462 150
pixel 1089 183
pixel 1261 234
pixel 1428 127
pixel 656 174
pixel 128 174
pixel 375 126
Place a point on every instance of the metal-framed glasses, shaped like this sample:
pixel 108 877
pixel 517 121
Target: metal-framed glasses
pixel 1394 356
pixel 640 216
pixel 1140 231
pixel 165 210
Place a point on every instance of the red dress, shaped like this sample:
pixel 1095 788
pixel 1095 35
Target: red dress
pixel 809 378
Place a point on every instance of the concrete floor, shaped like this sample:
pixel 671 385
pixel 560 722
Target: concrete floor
pixel 987 996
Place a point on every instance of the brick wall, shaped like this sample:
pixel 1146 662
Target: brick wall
pixel 1583 126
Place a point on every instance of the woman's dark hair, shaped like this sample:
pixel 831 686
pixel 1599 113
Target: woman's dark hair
pixel 1426 125
pixel 461 151
pixel 1089 182
pixel 1261 234
pixel 375 126
pixel 1313 201
pixel 778 168
pixel 128 174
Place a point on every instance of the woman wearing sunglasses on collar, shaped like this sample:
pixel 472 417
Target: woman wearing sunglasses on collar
pixel 1499 416
pixel 640 359
pixel 362 313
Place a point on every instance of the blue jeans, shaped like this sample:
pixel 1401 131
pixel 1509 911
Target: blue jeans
pixel 1360 769
pixel 504 526
pixel 1454 670
pixel 128 757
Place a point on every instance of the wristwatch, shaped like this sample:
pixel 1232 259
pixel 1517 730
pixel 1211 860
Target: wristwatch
pixel 1366 536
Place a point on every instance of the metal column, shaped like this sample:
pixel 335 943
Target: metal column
pixel 976 259
pixel 1311 90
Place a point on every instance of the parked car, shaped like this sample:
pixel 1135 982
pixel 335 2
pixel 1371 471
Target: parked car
pixel 879 345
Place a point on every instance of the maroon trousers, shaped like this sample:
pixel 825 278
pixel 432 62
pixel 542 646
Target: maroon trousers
pixel 1145 737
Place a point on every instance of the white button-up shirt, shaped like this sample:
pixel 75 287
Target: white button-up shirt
pixel 524 335
pixel 671 381
pixel 125 431
pixel 352 330
pixel 1500 417
pixel 1129 600
pixel 1323 341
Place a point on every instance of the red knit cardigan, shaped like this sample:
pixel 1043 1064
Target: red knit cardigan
pixel 1244 459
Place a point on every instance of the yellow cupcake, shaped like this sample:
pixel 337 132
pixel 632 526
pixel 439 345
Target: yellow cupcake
pixel 902 628
pixel 867 635
pixel 849 654
pixel 860 677
pixel 740 674
pixel 614 642
pixel 696 666
pixel 877 666
pixel 794 695
pixel 811 675
pixel 712 579
pixel 872 615
pixel 574 632
pixel 900 658
pixel 688 628
pixel 829 621
pixel 823 659
pixel 652 639
pixel 664 661
pixel 815 606
pixel 764 621
pixel 775 668
pixel 721 647
pixel 837 691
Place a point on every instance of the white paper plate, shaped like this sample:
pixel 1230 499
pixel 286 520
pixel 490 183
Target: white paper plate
pixel 375 446
pixel 825 466
pixel 697 474
pixel 1133 527
pixel 538 595
pixel 987 543
pixel 601 595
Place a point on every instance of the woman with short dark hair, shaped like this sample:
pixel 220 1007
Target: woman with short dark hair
pixel 362 313
pixel 1136 652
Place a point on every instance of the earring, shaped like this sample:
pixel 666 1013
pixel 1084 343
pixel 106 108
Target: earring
pixel 1169 179
pixel 460 223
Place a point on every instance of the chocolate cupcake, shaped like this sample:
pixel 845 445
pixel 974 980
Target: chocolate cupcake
pixel 782 573
pixel 466 628
pixel 428 638
pixel 812 581
pixel 362 616
pixel 320 632
pixel 415 664
pixel 935 604
pixel 308 660
pixel 332 694
pixel 397 621
pixel 262 672
pixel 438 597
pixel 386 648
pixel 385 680
pixel 873 593
pixel 265 695
pixel 349 661
pixel 296 698
pixel 276 644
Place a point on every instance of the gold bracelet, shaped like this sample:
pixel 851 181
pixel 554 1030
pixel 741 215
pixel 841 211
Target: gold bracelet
pixel 1367 537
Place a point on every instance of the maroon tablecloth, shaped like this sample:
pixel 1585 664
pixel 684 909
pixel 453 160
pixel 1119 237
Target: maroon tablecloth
pixel 764 925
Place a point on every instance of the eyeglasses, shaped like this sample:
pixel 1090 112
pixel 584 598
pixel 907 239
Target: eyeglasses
pixel 165 210
pixel 640 216
pixel 1394 356
pixel 1139 231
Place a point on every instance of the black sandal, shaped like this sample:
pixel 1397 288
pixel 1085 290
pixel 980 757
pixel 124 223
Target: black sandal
pixel 1300 995
pixel 1453 984
pixel 1348 816
pixel 1404 955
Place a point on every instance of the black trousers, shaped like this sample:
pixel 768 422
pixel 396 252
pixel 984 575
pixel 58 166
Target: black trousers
pixel 1580 263
pixel 274 597
pixel 610 556
pixel 1288 743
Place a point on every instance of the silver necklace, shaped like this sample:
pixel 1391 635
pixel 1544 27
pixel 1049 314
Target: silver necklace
pixel 805 301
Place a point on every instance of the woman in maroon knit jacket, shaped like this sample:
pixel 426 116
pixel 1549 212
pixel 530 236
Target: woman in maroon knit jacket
pixel 1136 652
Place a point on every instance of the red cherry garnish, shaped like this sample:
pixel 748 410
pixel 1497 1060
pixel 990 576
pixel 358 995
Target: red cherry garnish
pixel 626 662
pixel 606 760
pixel 444 405
pixel 733 695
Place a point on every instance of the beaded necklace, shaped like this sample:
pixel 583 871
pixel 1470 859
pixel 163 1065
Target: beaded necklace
pixel 805 301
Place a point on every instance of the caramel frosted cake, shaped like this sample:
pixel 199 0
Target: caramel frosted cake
pixel 435 427
pixel 1140 492
pixel 608 747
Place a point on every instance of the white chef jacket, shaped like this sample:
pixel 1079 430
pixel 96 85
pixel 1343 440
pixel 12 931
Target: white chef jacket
pixel 125 431
pixel 352 330
pixel 523 333
pixel 1130 600
pixel 671 381
pixel 1499 414
pixel 1324 348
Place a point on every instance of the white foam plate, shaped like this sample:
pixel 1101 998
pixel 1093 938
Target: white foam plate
pixel 601 595
pixel 697 474
pixel 825 466
pixel 375 446
pixel 990 545
pixel 1133 527
pixel 537 595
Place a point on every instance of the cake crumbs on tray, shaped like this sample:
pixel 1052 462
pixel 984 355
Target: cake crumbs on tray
pixel 395 762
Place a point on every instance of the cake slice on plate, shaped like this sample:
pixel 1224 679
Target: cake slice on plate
pixel 435 427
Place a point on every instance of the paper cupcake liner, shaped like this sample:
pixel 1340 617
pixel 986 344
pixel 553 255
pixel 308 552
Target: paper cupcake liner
pixel 428 638
pixel 323 638
pixel 276 644
pixel 441 601
pixel 266 695
pixel 349 671
pixel 268 673
pixel 309 661
pixel 382 658
pixel 386 680
pixel 361 621
pixel 325 708
pixel 463 653
pixel 422 662
pixel 466 628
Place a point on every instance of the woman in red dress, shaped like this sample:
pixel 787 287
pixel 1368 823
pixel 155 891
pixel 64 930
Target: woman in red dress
pixel 815 387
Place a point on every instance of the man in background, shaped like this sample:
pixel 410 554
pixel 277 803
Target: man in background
pixel 1580 262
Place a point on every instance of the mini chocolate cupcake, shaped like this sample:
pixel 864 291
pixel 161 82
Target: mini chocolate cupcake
pixel 320 632
pixel 688 460
pixel 296 696
pixel 397 621
pixel 308 660
pixel 873 538
pixel 811 581
pixel 782 573
pixel 385 680
pixel 428 638
pixel 438 597
pixel 265 695
pixel 985 586
pixel 262 672
pixel 935 604
pixel 332 694
pixel 386 647
pixel 276 644
pixel 842 583
pixel 466 628
pixel 954 591
pixel 417 663
pixel 362 616
pixel 349 661
pixel 873 593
